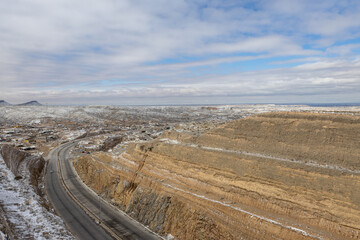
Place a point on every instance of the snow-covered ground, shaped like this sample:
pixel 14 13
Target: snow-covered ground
pixel 28 218
pixel 37 114
pixel 2 235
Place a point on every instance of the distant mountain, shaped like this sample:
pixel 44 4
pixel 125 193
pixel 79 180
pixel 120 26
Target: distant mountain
pixel 31 103
pixel 4 103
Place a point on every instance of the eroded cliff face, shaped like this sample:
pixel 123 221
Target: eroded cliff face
pixel 270 176
pixel 13 158
pixel 21 163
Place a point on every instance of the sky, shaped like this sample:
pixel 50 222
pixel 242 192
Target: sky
pixel 122 52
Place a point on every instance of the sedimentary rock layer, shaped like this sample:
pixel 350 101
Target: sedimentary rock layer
pixel 270 176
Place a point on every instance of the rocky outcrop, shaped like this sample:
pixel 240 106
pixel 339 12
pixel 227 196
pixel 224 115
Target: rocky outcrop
pixel 270 176
pixel 13 158
pixel 36 166
pixel 110 143
pixel 23 164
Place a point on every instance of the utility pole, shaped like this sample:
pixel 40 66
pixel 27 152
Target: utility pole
pixel 99 172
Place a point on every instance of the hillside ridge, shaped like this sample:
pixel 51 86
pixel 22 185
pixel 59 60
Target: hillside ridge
pixel 255 178
pixel 30 103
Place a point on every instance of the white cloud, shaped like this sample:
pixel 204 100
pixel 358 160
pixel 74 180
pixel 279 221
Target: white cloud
pixel 274 44
pixel 50 47
pixel 343 50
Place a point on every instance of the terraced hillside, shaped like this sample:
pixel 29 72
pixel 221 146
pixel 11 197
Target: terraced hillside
pixel 268 176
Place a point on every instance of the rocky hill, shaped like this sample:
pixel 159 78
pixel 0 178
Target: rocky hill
pixel 269 176
pixel 31 103
pixel 4 103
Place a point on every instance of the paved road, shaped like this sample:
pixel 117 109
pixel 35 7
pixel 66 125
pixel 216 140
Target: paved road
pixel 83 226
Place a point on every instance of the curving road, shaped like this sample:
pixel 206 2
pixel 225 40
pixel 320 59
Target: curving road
pixel 79 206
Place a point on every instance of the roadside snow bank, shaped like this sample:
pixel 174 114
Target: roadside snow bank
pixel 23 211
pixel 2 235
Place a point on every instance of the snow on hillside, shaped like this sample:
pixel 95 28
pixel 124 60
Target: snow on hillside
pixel 28 218
pixel 34 114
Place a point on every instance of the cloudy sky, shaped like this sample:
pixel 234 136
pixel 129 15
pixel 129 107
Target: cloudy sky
pixel 179 51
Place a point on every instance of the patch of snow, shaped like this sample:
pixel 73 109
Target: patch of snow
pixel 169 237
pixel 126 160
pixel 2 235
pixel 23 209
pixel 171 141
pixel 91 147
pixel 35 121
pixel 74 134
pixel 84 142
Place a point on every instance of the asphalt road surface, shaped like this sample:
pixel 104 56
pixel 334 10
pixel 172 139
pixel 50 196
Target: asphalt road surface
pixel 83 226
